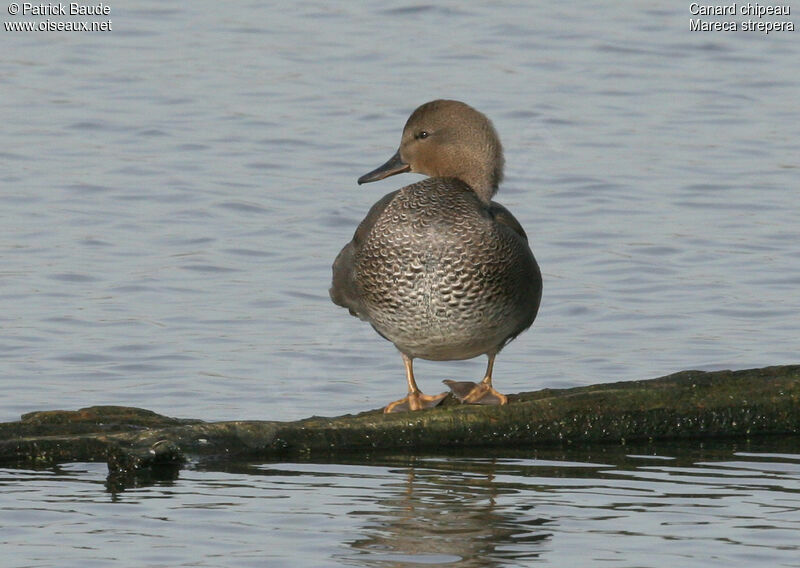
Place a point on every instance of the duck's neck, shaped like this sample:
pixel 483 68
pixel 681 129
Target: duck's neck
pixel 484 182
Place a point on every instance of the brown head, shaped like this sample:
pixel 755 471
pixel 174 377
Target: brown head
pixel 448 139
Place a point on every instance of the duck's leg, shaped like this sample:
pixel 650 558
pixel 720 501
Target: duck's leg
pixel 481 393
pixel 415 399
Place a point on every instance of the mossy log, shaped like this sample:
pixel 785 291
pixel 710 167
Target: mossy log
pixel 689 404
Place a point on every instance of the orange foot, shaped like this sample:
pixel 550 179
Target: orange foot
pixel 476 393
pixel 415 401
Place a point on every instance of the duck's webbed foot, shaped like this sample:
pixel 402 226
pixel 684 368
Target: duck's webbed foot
pixel 476 393
pixel 415 401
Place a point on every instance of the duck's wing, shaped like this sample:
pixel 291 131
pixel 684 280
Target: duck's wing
pixel 504 217
pixel 344 288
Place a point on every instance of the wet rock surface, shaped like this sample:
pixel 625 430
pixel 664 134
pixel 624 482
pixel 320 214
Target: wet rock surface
pixel 685 405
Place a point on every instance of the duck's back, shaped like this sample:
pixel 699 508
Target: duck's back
pixel 438 273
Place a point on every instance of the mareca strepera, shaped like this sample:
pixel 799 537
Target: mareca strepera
pixel 437 267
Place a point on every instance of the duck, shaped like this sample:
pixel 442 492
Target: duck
pixel 437 267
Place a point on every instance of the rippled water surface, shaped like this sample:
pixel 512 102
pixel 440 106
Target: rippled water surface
pixel 173 192
pixel 672 506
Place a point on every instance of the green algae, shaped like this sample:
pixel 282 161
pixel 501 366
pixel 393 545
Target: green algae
pixel 685 405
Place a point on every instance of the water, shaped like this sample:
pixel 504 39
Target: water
pixel 174 191
pixel 685 505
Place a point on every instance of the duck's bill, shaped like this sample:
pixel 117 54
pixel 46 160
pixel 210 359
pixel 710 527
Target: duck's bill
pixel 395 165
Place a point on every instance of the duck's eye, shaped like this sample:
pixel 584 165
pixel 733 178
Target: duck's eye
pixel 422 134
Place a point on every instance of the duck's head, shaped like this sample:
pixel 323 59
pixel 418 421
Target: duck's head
pixel 448 139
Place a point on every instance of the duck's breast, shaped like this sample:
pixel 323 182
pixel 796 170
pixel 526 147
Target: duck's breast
pixel 440 277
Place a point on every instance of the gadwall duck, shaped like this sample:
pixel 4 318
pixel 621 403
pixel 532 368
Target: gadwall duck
pixel 437 267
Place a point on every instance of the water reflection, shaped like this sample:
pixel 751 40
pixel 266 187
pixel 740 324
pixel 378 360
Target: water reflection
pixel 688 504
pixel 436 517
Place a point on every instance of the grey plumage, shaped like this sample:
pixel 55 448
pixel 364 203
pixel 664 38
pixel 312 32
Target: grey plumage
pixel 436 267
